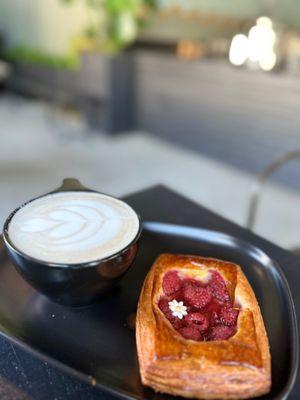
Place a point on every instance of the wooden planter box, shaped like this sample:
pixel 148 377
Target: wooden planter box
pixel 109 81
pixel 103 88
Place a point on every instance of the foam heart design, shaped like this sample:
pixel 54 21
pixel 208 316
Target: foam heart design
pixel 73 223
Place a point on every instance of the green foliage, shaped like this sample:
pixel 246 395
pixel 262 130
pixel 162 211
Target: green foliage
pixel 32 56
pixel 116 26
pixel 119 21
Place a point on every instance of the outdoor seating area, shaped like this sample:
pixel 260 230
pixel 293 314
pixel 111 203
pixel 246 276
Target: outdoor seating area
pixel 54 140
pixel 149 170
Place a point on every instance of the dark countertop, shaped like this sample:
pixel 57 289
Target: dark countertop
pixel 22 376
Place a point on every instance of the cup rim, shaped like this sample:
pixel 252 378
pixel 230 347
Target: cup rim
pixel 81 265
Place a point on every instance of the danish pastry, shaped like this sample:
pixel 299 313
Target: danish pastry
pixel 199 330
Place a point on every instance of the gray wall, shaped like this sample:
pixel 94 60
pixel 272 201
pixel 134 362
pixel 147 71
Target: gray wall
pixel 241 117
pixel 45 25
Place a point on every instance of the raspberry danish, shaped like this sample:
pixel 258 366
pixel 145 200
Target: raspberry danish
pixel 199 330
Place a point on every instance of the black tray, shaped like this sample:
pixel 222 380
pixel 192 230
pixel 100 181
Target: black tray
pixel 97 343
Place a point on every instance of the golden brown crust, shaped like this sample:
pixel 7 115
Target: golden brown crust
pixel 236 368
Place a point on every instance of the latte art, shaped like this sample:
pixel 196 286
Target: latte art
pixel 73 227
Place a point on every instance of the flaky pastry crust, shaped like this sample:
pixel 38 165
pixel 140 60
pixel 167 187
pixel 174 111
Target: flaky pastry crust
pixel 236 368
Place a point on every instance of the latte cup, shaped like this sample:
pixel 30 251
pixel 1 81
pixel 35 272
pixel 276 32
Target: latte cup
pixel 73 251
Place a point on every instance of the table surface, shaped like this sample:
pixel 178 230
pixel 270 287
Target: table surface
pixel 22 376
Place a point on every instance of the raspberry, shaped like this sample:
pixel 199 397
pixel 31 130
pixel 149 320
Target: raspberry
pixel 171 283
pixel 222 332
pixel 196 296
pixel 218 287
pixel 191 281
pixel 163 305
pixel 191 332
pixel 212 311
pixel 211 315
pixel 198 319
pixel 177 323
pixel 176 296
pixel 228 316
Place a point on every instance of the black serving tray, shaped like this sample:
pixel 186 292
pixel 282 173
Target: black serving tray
pixel 97 343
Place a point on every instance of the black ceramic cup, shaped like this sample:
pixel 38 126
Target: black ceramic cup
pixel 73 284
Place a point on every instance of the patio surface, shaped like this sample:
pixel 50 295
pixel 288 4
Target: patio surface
pixel 40 147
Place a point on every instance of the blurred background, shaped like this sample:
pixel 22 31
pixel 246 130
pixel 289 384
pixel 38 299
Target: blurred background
pixel 201 96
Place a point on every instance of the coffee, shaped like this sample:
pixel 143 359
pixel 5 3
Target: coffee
pixel 73 227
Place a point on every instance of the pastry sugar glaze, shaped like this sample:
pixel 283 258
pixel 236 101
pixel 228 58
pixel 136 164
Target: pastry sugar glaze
pixel 73 227
pixel 199 309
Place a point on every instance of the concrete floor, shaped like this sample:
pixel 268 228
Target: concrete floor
pixel 39 147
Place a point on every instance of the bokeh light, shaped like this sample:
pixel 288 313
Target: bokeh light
pixel 258 47
pixel 239 49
